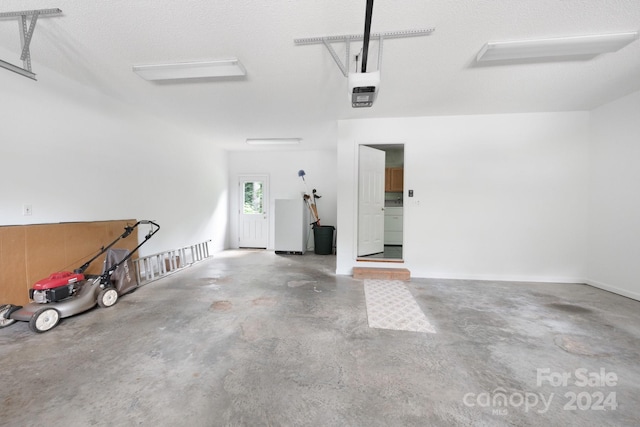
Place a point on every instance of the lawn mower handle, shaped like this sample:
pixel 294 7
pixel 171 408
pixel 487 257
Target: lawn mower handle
pixel 127 231
pixel 105 278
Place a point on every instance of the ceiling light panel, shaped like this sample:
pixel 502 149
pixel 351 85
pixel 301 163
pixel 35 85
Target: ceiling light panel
pixel 589 45
pixel 273 141
pixel 191 70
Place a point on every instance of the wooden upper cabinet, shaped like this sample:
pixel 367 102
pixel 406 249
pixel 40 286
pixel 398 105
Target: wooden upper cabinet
pixel 387 179
pixel 394 179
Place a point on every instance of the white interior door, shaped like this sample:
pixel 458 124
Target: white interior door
pixel 370 201
pixel 254 205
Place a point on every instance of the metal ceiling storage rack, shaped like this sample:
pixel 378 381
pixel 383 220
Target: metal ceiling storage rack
pixel 26 34
pixel 347 39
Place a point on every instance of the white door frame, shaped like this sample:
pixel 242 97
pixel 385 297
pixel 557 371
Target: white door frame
pixel 253 229
pixel 356 176
pixel 370 201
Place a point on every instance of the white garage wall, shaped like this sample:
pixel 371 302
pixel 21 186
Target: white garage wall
pixel 614 208
pixel 497 197
pixel 77 155
pixel 282 168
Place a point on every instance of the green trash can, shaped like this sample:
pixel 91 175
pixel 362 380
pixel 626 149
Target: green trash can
pixel 323 238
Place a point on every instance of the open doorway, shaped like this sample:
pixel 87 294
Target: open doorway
pixel 381 202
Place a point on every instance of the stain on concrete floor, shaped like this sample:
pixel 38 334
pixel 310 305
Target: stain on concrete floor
pixel 582 345
pixel 569 308
pixel 221 305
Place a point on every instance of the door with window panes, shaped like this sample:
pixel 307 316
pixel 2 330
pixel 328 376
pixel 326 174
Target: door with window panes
pixel 253 208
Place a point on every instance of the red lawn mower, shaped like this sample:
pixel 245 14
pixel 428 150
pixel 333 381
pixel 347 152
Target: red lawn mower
pixel 66 293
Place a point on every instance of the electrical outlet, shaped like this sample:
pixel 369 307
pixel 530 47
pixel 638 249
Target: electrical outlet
pixel 27 210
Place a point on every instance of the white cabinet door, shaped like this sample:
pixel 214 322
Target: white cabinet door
pixel 393 226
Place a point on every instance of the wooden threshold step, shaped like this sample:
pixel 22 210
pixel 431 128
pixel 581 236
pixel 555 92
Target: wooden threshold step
pixel 381 273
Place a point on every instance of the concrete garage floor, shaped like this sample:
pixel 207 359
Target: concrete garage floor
pixel 251 338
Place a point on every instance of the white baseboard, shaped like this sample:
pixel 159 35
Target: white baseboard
pixel 615 290
pixel 562 280
pixel 506 278
pixel 480 277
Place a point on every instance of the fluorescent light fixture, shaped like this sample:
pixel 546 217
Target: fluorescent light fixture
pixel 563 46
pixel 273 141
pixel 191 70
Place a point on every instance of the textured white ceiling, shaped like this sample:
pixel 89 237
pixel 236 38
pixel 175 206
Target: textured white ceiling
pixel 298 91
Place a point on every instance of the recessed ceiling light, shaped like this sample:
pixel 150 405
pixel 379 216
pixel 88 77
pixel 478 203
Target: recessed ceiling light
pixel 191 70
pixel 273 141
pixel 562 46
